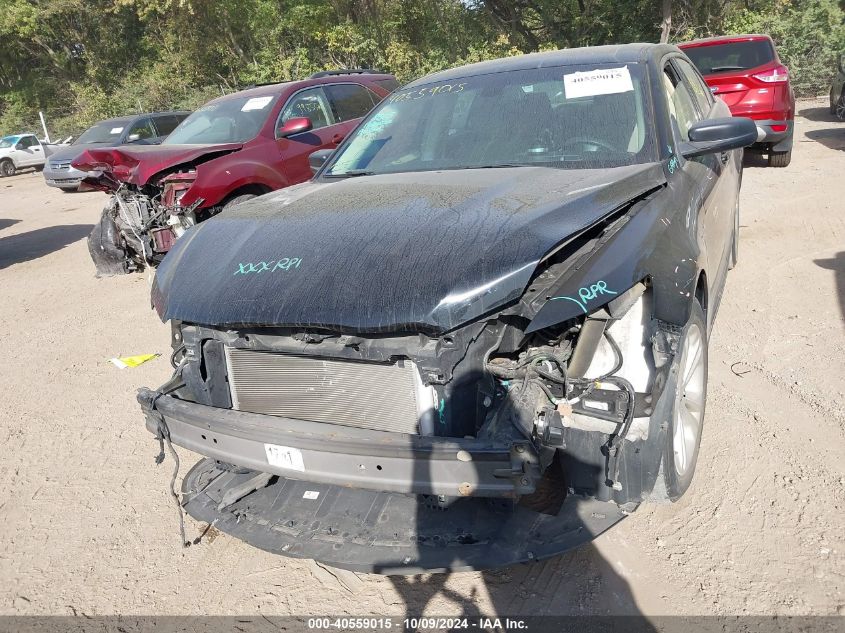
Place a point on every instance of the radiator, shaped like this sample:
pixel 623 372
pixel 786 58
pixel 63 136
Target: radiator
pixel 383 397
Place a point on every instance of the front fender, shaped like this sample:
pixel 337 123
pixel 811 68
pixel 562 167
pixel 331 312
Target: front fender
pixel 216 180
pixel 652 242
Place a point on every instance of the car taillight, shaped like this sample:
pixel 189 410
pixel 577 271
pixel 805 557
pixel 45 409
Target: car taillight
pixel 778 74
pixel 779 128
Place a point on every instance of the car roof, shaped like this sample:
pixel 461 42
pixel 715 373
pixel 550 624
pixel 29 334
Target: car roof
pixel 132 117
pixel 725 39
pixel 275 89
pixel 610 54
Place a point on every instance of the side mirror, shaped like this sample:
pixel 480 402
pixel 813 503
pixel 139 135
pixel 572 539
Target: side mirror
pixel 295 126
pixel 712 136
pixel 318 159
pixel 132 138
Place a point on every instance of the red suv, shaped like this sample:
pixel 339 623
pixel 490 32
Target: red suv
pixel 746 73
pixel 233 148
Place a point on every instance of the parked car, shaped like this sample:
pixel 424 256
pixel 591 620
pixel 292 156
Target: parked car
pixel 137 129
pixel 479 336
pixel 232 149
pixel 747 74
pixel 19 151
pixel 837 90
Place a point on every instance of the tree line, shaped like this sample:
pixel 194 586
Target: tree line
pixel 82 60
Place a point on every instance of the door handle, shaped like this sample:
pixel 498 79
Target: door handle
pixel 337 138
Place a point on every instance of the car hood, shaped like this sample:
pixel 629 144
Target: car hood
pixel 137 164
pixel 424 251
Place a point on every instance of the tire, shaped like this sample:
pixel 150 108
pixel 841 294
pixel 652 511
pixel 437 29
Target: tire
pixel 839 107
pixel 780 159
pixel 734 256
pixel 683 437
pixel 7 168
pixel 39 168
pixel 68 189
pixel 238 199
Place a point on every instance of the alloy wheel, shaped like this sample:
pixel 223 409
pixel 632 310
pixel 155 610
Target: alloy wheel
pixel 689 411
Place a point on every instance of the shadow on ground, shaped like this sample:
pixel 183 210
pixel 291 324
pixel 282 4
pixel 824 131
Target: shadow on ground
pixel 34 244
pixel 580 582
pixel 834 137
pixel 5 223
pixel 818 114
pixel 837 265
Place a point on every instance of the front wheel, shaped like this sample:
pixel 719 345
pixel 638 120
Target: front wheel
pixel 7 168
pixel 238 199
pixel 683 437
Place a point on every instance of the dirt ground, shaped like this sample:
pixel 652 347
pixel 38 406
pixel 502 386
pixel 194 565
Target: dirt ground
pixel 88 528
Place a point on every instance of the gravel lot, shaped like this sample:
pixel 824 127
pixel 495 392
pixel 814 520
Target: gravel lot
pixel 88 528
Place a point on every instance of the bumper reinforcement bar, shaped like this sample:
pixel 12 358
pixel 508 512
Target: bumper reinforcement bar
pixel 346 456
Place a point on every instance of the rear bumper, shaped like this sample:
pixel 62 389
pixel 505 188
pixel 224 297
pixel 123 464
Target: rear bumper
pixel 346 456
pixel 774 133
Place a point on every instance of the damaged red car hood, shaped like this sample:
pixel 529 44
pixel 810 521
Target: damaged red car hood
pixel 138 164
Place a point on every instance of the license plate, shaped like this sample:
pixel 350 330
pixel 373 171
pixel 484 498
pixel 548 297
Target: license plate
pixel 284 457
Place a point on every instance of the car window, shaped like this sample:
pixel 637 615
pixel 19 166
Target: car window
pixel 27 142
pixel 699 89
pixel 350 101
pixel 8 141
pixel 105 132
pixel 730 56
pixel 389 84
pixel 140 130
pixel 234 119
pixel 311 103
pixel 567 117
pixel 165 124
pixel 682 107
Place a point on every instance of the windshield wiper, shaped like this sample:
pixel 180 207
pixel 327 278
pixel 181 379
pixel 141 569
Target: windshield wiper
pixel 497 166
pixel 352 173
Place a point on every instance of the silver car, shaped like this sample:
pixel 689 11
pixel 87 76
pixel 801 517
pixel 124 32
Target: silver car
pixel 149 128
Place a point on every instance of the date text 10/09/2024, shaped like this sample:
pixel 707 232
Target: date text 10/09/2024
pixel 418 624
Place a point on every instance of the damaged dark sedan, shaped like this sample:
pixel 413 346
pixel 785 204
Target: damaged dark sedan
pixel 479 335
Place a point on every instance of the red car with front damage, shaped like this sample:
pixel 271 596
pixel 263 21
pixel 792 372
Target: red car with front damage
pixel 233 148
pixel 747 74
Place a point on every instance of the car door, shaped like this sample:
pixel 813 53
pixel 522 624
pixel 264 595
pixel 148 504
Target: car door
pixel 698 176
pixel 24 154
pixel 294 150
pixel 727 165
